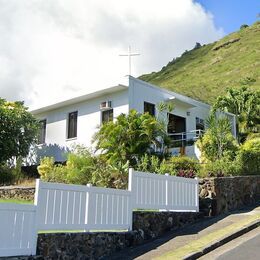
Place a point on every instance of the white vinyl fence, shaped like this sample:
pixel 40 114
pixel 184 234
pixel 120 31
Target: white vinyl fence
pixel 18 233
pixel 163 192
pixel 77 207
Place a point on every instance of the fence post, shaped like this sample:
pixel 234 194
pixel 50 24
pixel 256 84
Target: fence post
pixel 132 197
pixel 36 194
pixel 197 194
pixel 36 216
pixel 88 206
pixel 166 191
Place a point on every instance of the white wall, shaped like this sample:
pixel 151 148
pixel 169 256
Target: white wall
pixel 139 92
pixel 89 118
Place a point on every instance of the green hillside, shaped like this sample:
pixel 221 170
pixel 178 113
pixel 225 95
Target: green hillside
pixel 205 72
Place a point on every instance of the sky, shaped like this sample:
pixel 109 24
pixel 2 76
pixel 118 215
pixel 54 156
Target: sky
pixel 55 50
pixel 231 14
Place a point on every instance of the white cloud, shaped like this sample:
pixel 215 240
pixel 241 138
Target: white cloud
pixel 52 50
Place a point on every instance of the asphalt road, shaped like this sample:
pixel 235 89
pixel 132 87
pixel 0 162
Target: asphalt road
pixel 249 250
pixel 246 247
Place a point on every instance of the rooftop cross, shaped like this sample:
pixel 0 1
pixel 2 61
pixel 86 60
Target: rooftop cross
pixel 129 54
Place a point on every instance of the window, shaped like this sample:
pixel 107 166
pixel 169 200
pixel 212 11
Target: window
pixel 42 131
pixel 150 108
pixel 200 125
pixel 106 116
pixel 72 124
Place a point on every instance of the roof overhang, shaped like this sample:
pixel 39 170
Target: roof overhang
pixel 181 102
pixel 80 99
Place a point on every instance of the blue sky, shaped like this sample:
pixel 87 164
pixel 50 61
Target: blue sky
pixel 230 14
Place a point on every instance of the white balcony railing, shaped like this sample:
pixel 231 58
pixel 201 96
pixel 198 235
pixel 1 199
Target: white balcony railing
pixel 185 138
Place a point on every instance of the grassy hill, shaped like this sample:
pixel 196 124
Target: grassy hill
pixel 205 72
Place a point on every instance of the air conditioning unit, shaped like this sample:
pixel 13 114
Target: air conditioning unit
pixel 105 105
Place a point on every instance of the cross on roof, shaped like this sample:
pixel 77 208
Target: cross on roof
pixel 129 54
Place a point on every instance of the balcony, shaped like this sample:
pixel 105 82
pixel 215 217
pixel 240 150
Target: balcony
pixel 184 139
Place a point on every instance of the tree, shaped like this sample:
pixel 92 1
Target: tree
pixel 245 104
pixel 18 130
pixel 130 137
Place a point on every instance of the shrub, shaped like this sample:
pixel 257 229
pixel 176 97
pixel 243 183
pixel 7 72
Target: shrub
pixel 7 175
pixel 148 163
pixel 249 157
pixel 79 168
pixel 186 173
pixel 152 163
pixel 180 166
pixel 82 167
pixel 243 26
pixel 184 163
pixel 220 168
pixel 50 172
pixel 112 176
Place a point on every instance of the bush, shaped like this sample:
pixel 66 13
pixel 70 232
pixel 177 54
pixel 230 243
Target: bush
pixel 7 175
pixel 181 166
pixel 249 157
pixel 186 173
pixel 220 168
pixel 50 172
pixel 243 26
pixel 184 163
pixel 79 168
pixel 82 168
pixel 148 163
pixel 112 176
pixel 209 148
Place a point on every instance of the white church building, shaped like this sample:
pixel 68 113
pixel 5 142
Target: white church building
pixel 75 121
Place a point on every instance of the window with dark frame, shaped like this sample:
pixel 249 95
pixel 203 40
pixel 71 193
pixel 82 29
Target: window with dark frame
pixel 42 131
pixel 200 124
pixel 107 115
pixel 72 124
pixel 150 108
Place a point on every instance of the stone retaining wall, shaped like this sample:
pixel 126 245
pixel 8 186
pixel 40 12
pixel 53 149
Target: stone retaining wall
pixel 221 195
pixel 21 193
pixel 146 226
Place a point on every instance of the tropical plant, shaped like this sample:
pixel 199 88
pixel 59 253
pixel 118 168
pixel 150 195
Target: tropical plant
pixel 218 140
pixel 130 137
pixel 18 130
pixel 245 104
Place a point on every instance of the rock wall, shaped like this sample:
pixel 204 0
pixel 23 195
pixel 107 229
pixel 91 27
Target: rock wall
pixel 221 195
pixel 146 226
pixel 21 193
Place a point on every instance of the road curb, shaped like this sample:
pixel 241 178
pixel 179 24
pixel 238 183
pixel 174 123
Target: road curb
pixel 223 241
